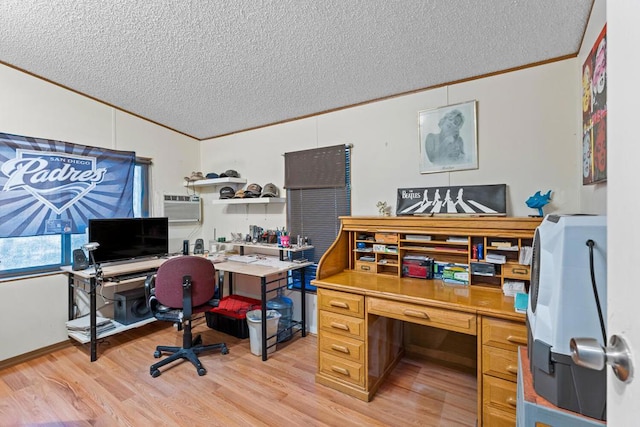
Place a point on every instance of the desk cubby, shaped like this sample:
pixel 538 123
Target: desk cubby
pixel 380 250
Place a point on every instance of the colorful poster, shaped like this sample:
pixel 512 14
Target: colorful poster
pixel 594 113
pixel 49 186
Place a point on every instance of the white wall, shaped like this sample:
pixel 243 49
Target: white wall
pixel 528 126
pixel 33 311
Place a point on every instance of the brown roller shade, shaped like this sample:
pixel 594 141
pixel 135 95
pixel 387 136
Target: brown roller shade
pixel 317 168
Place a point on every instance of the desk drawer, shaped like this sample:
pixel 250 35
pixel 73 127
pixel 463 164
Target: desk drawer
pixel 503 333
pixel 493 417
pixel 342 369
pixel 365 266
pixel 513 270
pixel 499 394
pixel 341 302
pixel 342 325
pixel 500 363
pixel 341 346
pixel 424 315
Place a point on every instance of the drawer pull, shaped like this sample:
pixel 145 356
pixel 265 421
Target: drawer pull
pixel 340 348
pixel 340 370
pixel 415 313
pixel 517 340
pixel 365 267
pixel 338 304
pixel 519 271
pixel 512 369
pixel 512 401
pixel 341 326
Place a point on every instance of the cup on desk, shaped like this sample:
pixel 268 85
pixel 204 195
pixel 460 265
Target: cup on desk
pixel 213 247
pixel 284 241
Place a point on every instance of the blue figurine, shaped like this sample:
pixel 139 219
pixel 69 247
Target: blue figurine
pixel 537 201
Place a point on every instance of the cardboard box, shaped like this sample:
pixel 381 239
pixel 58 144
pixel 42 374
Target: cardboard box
pixel 457 274
pixel 387 238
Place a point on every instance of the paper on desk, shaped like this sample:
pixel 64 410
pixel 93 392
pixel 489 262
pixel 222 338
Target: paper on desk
pixel 274 262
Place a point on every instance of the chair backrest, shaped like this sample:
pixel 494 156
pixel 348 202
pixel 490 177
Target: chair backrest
pixel 169 278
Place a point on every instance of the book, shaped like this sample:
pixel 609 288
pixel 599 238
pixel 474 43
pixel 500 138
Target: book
pixel 520 302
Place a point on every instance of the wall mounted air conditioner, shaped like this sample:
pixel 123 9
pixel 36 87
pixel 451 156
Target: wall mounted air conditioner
pixel 180 208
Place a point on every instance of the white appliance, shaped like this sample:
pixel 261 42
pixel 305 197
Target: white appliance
pixel 563 305
pixel 180 208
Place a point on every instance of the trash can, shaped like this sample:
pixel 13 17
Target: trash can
pixel 254 321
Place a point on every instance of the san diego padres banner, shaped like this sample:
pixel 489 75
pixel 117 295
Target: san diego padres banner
pixel 51 186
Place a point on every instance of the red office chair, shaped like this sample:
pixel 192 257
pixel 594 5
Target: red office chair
pixel 182 287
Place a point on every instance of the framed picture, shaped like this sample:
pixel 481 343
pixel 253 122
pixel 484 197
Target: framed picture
pixel 475 200
pixel 448 138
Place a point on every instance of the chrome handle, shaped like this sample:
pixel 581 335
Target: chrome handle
pixel 588 353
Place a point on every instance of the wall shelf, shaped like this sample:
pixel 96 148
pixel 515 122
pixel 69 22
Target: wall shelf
pixel 257 201
pixel 216 181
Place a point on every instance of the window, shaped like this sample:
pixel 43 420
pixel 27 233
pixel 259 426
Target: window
pixel 318 185
pixel 47 252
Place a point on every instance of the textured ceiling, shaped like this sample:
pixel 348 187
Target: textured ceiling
pixel 207 68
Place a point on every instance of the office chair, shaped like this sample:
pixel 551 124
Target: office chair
pixel 182 287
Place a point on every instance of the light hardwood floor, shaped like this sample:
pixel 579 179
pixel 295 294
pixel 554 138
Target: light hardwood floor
pixel 64 388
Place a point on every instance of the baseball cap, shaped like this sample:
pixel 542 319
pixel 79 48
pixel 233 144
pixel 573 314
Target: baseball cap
pixel 270 190
pixel 195 176
pixel 212 175
pixel 227 193
pixel 239 194
pixel 230 173
pixel 253 190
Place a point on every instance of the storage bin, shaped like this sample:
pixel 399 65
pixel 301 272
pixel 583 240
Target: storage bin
pixel 230 315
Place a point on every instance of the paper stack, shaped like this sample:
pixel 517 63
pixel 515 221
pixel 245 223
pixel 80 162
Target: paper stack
pixel 82 325
pixel 526 253
pixel 512 287
pixel 495 258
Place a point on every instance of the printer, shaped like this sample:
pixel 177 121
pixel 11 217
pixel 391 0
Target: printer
pixel 563 305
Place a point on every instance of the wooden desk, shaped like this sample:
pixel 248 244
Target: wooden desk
pixel 366 302
pixel 266 271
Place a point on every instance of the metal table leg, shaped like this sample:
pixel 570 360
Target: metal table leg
pixel 263 296
pixel 92 319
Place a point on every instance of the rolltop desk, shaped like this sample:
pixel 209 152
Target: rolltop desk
pixel 370 313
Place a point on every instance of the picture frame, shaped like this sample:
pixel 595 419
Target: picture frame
pixel 448 138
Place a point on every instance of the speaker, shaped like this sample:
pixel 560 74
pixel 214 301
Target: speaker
pixel 185 247
pixel 80 261
pixel 130 306
pixel 198 249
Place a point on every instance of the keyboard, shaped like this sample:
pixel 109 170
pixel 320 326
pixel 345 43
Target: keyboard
pixel 129 276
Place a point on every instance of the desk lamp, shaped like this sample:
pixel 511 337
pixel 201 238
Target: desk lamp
pixel 90 247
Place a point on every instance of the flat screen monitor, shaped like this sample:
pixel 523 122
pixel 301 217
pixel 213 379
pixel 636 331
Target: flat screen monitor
pixel 129 238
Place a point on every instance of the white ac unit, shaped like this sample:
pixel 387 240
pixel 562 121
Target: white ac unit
pixel 180 208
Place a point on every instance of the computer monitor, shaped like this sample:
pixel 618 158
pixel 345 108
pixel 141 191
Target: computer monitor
pixel 129 238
